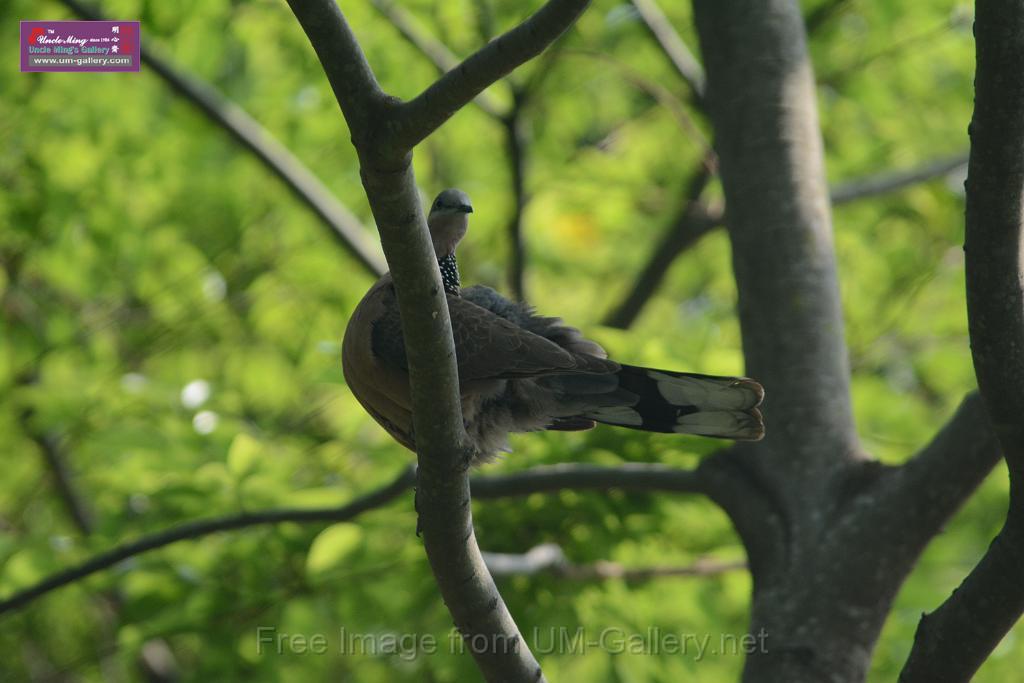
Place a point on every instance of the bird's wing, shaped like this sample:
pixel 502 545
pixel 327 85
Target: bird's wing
pixel 381 387
pixel 523 315
pixel 490 346
pixel 487 346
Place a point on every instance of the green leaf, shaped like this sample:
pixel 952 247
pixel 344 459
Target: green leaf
pixel 244 455
pixel 331 548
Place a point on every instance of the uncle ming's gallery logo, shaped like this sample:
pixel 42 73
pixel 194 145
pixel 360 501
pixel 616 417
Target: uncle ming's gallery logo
pixel 80 46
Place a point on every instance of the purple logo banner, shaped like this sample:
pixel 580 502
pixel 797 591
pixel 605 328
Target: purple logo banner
pixel 80 46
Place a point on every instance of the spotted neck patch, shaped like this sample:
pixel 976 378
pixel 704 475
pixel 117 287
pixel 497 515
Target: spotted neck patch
pixel 449 273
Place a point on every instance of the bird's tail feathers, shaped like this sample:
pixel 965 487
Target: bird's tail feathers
pixel 685 403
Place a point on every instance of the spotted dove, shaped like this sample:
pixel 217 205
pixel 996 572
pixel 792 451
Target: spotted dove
pixel 520 372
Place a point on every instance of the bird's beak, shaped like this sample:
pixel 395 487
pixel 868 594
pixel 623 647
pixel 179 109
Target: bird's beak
pixel 465 208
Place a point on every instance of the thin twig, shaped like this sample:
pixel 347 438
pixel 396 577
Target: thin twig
pixel 893 181
pixel 49 446
pixel 547 479
pixel 517 153
pixel 155 657
pixel 549 558
pixel 516 149
pixel 575 477
pixel 672 45
pixel 694 221
pixel 199 528
pixel 818 17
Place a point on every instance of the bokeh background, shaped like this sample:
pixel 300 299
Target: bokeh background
pixel 170 318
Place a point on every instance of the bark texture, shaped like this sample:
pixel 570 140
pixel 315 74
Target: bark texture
pixel 831 534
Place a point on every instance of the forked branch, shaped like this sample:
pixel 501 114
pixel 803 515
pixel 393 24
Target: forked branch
pixel 384 132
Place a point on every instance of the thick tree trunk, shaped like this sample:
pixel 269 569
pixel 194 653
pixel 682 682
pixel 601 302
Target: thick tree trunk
pixel 831 534
pixel 819 625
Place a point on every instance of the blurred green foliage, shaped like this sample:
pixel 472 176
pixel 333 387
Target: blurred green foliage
pixel 172 315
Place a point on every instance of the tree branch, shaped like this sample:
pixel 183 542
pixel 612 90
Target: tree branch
pixel 344 227
pixel 200 528
pixel 445 61
pixel 894 512
pixel 891 181
pixel 686 230
pixel 953 641
pixel 673 46
pixel 549 558
pixel 510 118
pixel 628 477
pixel 823 13
pixel 435 105
pixel 155 657
pixel 384 133
pixel 516 151
pixel 695 221
pixel 932 485
pixel 49 446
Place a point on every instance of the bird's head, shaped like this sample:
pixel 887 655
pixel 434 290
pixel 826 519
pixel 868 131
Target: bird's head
pixel 448 220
